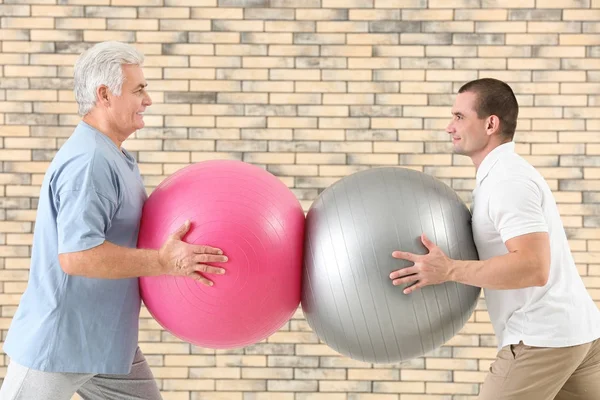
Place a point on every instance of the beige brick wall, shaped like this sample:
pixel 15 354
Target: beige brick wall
pixel 313 90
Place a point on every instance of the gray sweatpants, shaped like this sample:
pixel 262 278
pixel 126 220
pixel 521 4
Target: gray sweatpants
pixel 22 383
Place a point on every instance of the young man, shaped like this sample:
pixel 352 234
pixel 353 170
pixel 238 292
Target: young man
pixel 76 327
pixel 545 321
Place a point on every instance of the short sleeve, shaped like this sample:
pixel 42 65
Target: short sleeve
pixel 516 208
pixel 85 206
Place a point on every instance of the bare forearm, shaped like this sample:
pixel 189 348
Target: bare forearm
pixel 509 271
pixel 109 261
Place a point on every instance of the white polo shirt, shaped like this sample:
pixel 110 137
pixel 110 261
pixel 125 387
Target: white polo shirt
pixel 512 199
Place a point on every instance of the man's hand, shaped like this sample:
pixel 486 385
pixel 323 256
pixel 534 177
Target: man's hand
pixel 429 269
pixel 182 259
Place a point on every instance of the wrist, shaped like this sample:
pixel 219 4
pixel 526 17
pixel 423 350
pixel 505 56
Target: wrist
pixel 158 264
pixel 454 271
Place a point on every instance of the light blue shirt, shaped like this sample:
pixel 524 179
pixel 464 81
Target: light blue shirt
pixel 91 192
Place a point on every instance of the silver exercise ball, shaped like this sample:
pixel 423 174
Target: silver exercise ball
pixel 352 228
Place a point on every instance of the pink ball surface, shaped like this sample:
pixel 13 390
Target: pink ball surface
pixel 257 222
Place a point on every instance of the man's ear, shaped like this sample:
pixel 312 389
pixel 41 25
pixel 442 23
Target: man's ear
pixel 492 125
pixel 103 95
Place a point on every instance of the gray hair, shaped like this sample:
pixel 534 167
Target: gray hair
pixel 102 65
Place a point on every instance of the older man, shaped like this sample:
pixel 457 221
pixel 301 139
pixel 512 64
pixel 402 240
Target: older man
pixel 76 327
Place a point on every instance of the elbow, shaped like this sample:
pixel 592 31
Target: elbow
pixel 68 264
pixel 543 273
pixel 542 278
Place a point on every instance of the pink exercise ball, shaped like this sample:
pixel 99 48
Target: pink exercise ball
pixel 257 222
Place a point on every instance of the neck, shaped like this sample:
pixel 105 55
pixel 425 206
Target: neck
pixel 480 156
pixel 103 126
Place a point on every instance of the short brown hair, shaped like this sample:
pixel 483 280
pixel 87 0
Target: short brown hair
pixel 495 97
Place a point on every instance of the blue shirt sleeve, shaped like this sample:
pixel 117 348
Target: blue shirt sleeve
pixel 86 202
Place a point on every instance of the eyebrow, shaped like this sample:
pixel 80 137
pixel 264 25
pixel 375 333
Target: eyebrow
pixel 457 113
pixel 141 86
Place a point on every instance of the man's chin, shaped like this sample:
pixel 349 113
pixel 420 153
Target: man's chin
pixel 460 153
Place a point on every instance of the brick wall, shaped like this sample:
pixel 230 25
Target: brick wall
pixel 313 90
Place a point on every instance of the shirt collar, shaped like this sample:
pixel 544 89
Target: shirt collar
pixel 491 158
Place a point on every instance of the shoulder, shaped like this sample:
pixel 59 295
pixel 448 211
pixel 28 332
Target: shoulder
pixel 86 169
pixel 513 166
pixel 513 180
pixel 511 174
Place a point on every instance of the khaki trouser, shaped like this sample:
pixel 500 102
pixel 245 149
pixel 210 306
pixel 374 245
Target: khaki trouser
pixel 523 372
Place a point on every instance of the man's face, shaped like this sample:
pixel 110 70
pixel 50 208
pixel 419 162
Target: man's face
pixel 468 132
pixel 126 110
